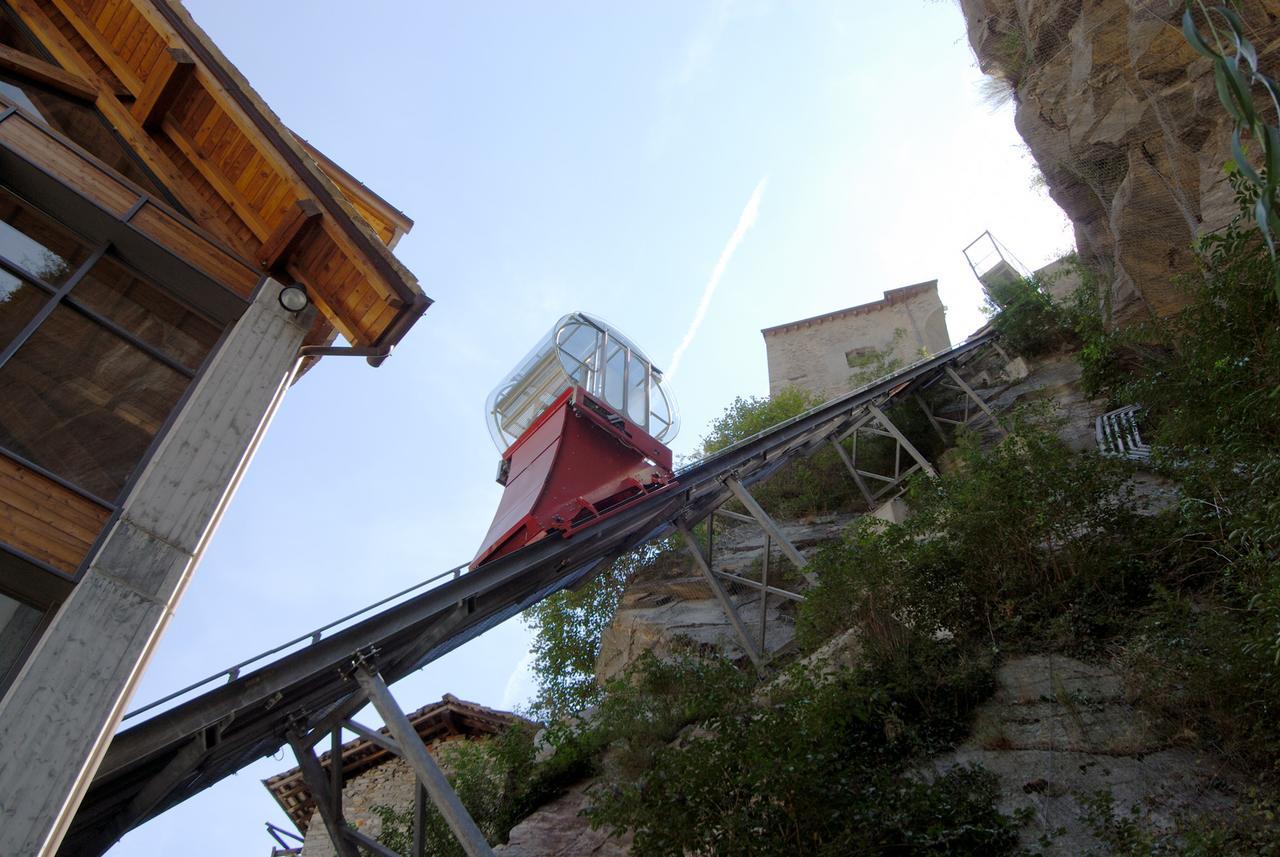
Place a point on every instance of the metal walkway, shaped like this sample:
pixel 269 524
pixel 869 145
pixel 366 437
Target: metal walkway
pixel 310 689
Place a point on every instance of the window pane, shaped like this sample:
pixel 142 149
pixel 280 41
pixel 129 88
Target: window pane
pixel 115 292
pixel 81 123
pixel 17 623
pixel 83 403
pixel 19 303
pixel 30 239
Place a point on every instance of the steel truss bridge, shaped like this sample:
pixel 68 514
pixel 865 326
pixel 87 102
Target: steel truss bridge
pixel 309 689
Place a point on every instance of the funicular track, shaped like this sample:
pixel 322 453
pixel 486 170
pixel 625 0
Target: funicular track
pixel 244 716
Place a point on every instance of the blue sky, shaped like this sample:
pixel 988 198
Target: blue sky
pixel 567 156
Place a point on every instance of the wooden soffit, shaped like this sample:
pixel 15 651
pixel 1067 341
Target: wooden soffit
pixel 242 175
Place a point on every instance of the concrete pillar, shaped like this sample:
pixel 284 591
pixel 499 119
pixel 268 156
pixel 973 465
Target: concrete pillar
pixel 58 716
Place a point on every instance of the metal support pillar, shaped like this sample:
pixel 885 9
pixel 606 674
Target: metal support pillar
pixel 764 591
pixel 853 471
pixel 902 439
pixel 279 834
pixel 419 821
pixel 414 752
pixel 734 516
pixel 730 610
pixel 928 412
pixel 368 843
pixel 313 775
pixel 335 770
pixel 769 526
pixel 969 391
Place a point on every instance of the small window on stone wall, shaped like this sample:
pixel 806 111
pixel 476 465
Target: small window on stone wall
pixel 856 357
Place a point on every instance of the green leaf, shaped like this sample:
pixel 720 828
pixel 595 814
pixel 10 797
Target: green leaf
pixel 1242 161
pixel 1193 36
pixel 1262 212
pixel 1271 153
pixel 1237 30
pixel 1220 73
pixel 1239 88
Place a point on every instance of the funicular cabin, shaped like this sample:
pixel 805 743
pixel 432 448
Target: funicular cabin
pixel 171 258
pixel 582 423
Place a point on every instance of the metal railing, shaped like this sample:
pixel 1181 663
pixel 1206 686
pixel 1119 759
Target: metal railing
pixel 232 673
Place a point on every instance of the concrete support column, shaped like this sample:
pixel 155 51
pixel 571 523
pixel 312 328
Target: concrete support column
pixel 58 716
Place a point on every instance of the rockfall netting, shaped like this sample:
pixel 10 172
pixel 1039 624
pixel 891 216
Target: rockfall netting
pixel 1125 121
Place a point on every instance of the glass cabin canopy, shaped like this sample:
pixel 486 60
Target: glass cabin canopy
pixel 583 351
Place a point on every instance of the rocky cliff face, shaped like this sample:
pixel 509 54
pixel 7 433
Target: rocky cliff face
pixel 1123 118
pixel 1058 732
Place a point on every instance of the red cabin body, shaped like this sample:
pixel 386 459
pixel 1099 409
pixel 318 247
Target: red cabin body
pixel 576 464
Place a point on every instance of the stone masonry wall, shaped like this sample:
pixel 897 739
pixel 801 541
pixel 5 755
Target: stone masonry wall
pixel 389 784
pixel 812 354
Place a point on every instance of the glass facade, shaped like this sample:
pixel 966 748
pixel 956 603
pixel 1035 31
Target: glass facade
pixel 93 356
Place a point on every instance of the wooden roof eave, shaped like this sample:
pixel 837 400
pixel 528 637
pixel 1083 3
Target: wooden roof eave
pixel 352 188
pixel 343 216
pixel 371 299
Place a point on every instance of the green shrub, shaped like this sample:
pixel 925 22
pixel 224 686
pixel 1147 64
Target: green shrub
pixel 1216 386
pixel 877 363
pixel 802 488
pixel 820 771
pixel 567 628
pixel 1026 317
pixel 1189 661
pixel 1252 831
pixel 1019 541
pixel 1106 357
pixel 746 417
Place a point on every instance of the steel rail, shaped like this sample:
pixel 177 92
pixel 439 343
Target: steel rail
pixel 176 753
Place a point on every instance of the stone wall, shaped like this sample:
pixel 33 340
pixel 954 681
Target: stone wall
pixel 389 784
pixel 1124 121
pixel 813 354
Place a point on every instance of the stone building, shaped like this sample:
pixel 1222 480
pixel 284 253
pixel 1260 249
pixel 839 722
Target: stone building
pixel 821 354
pixel 172 258
pixel 373 777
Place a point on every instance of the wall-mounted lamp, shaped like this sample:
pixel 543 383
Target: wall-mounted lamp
pixel 294 298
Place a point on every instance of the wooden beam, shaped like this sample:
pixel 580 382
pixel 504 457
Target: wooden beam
pixel 38 71
pixel 129 80
pixel 215 178
pixel 162 88
pixel 285 239
pixel 122 120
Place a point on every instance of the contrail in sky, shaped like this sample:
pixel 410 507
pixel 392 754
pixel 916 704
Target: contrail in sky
pixel 745 221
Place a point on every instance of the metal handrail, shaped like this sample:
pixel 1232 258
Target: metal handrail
pixel 233 672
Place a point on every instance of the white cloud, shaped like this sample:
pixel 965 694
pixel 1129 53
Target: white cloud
pixel 745 221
